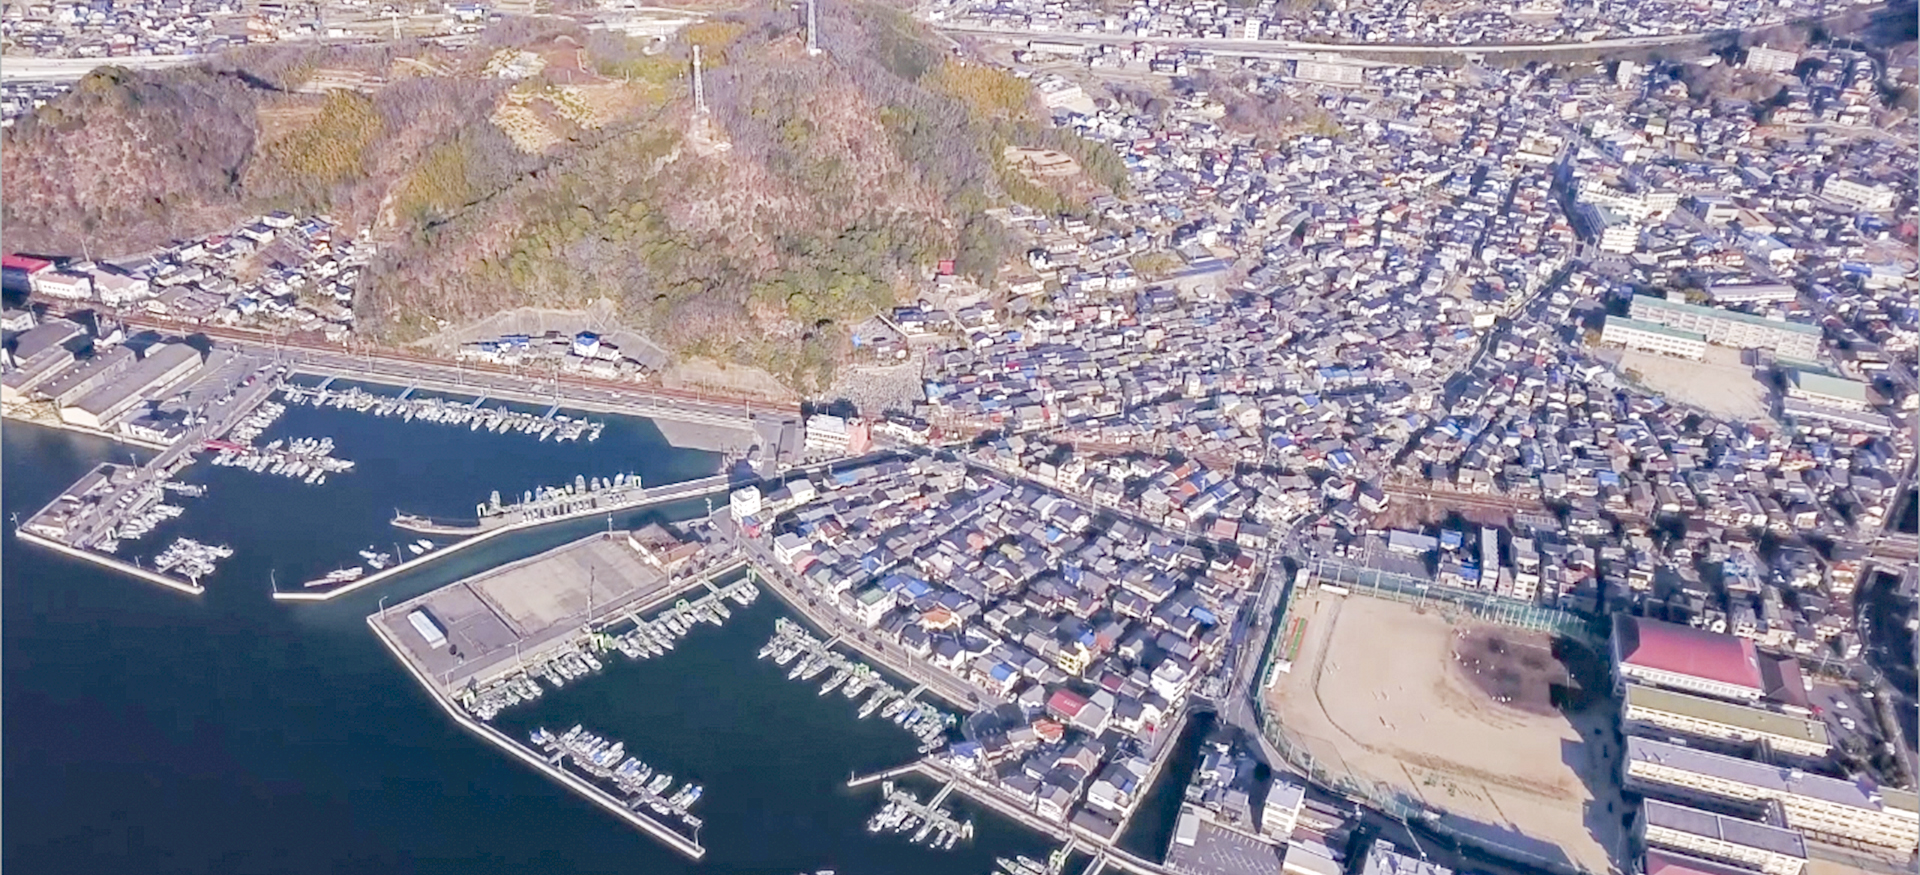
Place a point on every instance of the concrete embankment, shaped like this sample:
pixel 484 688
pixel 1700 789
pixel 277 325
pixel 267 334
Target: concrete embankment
pixel 712 437
pixel 109 562
pixel 572 782
pixel 669 493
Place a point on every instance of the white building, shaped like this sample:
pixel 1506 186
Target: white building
pixel 1382 859
pixel 1653 337
pixel 1752 293
pixel 1767 60
pixel 1858 194
pixel 120 290
pixel 64 285
pixel 1845 812
pixel 744 502
pixel 1770 849
pixel 827 435
pixel 1710 718
pixel 1281 813
pixel 1728 328
pixel 1329 73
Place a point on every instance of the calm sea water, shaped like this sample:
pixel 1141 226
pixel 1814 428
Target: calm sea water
pixel 151 732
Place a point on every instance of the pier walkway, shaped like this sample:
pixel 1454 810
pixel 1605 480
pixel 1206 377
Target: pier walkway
pixel 570 506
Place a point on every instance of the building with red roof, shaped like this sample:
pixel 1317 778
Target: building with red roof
pixel 1065 704
pixel 1686 659
pixel 18 271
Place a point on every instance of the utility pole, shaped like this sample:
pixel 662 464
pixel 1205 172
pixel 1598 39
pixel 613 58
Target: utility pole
pixel 699 87
pixel 813 31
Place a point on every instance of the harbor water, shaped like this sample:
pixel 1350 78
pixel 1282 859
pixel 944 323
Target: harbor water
pixel 148 731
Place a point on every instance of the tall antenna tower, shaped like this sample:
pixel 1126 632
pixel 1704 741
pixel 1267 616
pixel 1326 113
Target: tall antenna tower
pixel 813 31
pixel 699 87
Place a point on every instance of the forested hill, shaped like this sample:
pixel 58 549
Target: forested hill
pixel 551 166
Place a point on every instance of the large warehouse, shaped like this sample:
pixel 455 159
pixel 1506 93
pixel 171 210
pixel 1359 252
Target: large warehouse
pixel 164 365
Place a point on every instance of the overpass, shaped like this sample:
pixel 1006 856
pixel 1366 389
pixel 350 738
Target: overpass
pixel 13 69
pixel 1296 49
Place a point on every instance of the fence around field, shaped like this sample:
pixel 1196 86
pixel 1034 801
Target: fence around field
pixel 1480 605
pixel 1320 759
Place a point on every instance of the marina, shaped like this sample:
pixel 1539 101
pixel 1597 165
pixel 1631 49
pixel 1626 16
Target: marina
pixel 924 823
pixel 443 411
pixel 306 459
pixel 607 760
pixel 116 503
pixel 579 658
pixel 586 789
pixel 806 658
pixel 584 495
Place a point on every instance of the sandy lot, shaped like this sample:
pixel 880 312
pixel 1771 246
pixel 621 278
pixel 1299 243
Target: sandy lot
pixel 1721 385
pixel 1376 689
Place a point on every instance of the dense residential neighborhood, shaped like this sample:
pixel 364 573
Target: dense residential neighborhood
pixel 1619 360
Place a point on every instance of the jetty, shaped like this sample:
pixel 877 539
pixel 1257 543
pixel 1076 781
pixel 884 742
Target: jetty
pixel 586 789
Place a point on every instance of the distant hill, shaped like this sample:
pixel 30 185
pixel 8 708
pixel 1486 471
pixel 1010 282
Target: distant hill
pixel 550 166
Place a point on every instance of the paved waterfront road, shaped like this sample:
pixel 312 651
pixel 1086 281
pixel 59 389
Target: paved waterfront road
pixel 529 385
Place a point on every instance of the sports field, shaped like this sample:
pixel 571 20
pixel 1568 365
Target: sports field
pixel 1401 696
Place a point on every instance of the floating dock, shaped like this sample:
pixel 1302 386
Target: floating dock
pixel 923 822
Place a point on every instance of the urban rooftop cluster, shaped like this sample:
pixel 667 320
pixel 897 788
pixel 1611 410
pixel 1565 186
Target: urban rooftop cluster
pixel 1429 22
pixel 1089 630
pixel 279 271
pixel 1357 331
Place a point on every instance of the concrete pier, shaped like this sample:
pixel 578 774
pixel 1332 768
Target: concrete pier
pixel 688 847
pixel 569 507
pixel 112 564
pixel 665 494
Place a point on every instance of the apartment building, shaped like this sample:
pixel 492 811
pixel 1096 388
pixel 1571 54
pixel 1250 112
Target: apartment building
pixel 1654 337
pixel 1729 328
pixel 1830 809
pixel 1653 708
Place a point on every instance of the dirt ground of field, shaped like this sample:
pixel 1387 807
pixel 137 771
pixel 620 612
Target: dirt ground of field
pixel 1721 385
pixel 1385 692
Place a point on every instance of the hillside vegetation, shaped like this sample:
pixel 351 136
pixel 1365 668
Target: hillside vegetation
pixel 817 191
